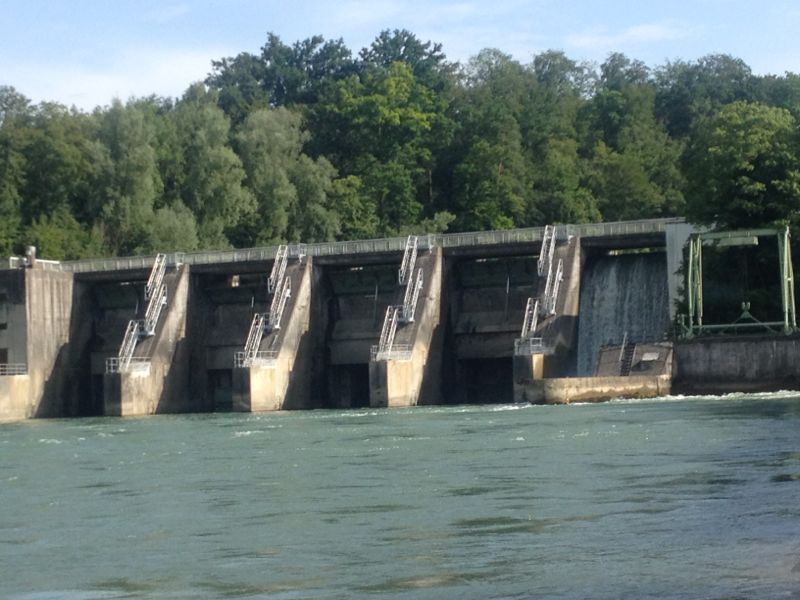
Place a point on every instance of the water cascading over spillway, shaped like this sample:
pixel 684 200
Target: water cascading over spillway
pixel 619 294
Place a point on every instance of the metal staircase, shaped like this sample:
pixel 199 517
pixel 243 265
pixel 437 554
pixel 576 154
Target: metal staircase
pixel 527 344
pixel 403 313
pixel 280 287
pixel 278 304
pixel 548 249
pixel 278 269
pixel 626 352
pixel 411 296
pixel 552 287
pixel 409 260
pixel 155 293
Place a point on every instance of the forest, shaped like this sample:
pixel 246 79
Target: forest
pixel 310 141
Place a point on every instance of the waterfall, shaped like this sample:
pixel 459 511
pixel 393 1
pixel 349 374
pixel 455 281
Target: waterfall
pixel 624 293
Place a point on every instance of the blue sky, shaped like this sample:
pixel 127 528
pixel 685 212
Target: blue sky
pixel 86 52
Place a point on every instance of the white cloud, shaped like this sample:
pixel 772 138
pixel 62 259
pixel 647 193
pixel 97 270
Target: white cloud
pixel 133 72
pixel 647 33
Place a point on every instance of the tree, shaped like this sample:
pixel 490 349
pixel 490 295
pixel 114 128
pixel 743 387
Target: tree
pixel 688 91
pixel 743 167
pixel 213 175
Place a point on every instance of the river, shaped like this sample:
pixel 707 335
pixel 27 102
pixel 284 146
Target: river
pixel 668 498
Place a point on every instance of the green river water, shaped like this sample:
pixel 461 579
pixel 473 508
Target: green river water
pixel 669 498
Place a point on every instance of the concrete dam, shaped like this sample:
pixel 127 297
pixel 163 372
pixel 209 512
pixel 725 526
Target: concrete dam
pixel 446 318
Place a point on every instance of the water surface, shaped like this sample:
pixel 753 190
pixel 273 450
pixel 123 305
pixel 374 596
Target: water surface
pixel 676 498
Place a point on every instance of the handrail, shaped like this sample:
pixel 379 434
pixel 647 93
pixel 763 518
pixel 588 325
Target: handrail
pixel 279 304
pixel 528 346
pixel 115 364
pixel 446 240
pixel 411 296
pixel 531 317
pixel 552 298
pixel 153 312
pixel 278 269
pixel 255 334
pixel 549 234
pixel 262 358
pixel 389 329
pixel 9 369
pixel 409 260
pixel 397 352
pixel 128 344
pixel 156 276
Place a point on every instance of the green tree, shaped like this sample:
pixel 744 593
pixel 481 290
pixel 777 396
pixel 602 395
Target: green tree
pixel 213 175
pixel 743 167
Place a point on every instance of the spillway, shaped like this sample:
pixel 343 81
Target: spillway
pixel 619 294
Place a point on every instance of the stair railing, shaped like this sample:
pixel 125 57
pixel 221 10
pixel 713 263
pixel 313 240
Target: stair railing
pixel 409 260
pixel 278 269
pixel 552 298
pixel 155 305
pixel 128 345
pixel 411 296
pixel 156 276
pixel 279 304
pixel 531 320
pixel 549 234
pixel 253 343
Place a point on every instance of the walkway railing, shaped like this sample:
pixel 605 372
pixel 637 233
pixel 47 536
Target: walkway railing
pixel 137 364
pixel 447 240
pixel 528 346
pixel 8 369
pixel 262 358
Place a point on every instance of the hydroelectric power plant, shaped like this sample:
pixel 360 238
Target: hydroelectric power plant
pixel 554 314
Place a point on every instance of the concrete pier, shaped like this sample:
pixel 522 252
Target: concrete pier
pixel 161 386
pixel 414 379
pixel 280 382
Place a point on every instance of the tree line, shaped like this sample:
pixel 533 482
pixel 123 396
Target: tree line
pixel 311 142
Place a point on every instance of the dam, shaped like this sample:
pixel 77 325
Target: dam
pixel 446 318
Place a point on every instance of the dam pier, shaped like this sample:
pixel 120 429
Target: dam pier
pixel 503 316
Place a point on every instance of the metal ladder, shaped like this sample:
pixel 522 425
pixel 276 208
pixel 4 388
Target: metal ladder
pixel 626 352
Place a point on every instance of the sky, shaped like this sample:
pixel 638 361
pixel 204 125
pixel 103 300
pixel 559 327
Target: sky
pixel 86 52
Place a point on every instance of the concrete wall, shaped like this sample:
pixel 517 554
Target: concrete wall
pixel 396 383
pixel 14 393
pixel 285 384
pixel 527 370
pixel 164 388
pixel 728 364
pixel 594 389
pixel 49 310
